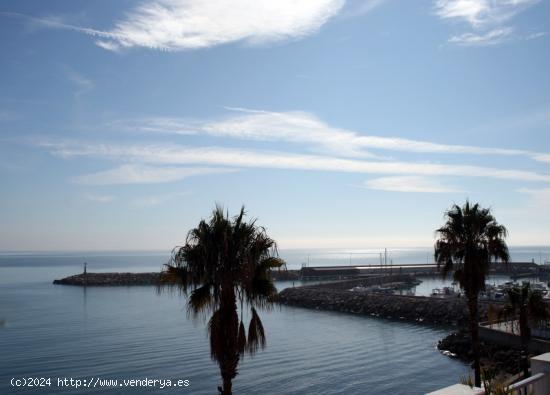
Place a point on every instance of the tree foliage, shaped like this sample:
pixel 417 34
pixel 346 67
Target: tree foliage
pixel 226 261
pixel 467 243
pixel 527 306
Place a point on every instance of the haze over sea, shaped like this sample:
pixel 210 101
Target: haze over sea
pixel 136 333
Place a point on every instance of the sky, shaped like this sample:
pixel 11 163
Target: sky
pixel 336 123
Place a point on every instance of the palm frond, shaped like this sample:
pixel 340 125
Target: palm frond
pixel 215 330
pixel 241 342
pixel 261 293
pixel 256 334
pixel 467 242
pixel 176 277
pixel 538 310
pixel 225 258
pixel 271 262
pixel 200 300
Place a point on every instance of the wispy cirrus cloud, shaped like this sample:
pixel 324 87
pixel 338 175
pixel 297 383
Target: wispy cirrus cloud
pixel 488 18
pixel 175 25
pixel 141 174
pixel 416 184
pixel 192 24
pixel 57 22
pixel 535 35
pixel 303 127
pixel 481 13
pixel 542 157
pixel 492 37
pixel 231 157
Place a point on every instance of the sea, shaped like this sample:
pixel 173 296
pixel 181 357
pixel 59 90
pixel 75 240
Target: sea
pixel 136 340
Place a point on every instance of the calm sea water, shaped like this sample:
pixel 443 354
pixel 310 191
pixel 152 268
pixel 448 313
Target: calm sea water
pixel 135 333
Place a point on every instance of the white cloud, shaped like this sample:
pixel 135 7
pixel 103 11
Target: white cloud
pixel 161 125
pixel 470 10
pixel 216 156
pixel 303 127
pixel 491 37
pixel 192 24
pixel 542 157
pixel 481 13
pixel 175 25
pixel 486 17
pixel 408 184
pixel 108 45
pixel 292 126
pixel 533 36
pixel 140 174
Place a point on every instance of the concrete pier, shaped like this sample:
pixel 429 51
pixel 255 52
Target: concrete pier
pixel 513 269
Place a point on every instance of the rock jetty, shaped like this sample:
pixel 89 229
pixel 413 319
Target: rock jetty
pixel 107 279
pixel 152 278
pixel 339 297
pixel 495 357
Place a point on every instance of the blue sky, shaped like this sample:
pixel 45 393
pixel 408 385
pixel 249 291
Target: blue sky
pixel 339 124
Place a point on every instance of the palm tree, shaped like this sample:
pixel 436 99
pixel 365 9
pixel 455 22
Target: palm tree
pixel 528 306
pixel 225 261
pixel 468 241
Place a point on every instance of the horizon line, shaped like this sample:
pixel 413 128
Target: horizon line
pixel 159 250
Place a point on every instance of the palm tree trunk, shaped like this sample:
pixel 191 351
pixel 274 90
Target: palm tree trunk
pixel 525 335
pixel 474 333
pixel 230 360
pixel 227 384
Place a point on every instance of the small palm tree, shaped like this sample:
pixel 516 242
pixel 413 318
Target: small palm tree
pixel 528 307
pixel 468 241
pixel 225 261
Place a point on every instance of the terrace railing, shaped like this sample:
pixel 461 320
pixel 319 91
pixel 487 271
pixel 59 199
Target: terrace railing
pixel 527 386
pixel 537 384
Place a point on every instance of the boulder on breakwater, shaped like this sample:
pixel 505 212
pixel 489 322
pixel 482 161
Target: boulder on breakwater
pixel 339 297
pixel 105 279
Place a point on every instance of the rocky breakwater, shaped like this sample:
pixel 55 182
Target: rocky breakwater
pixel 106 279
pixel 447 311
pixel 494 357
